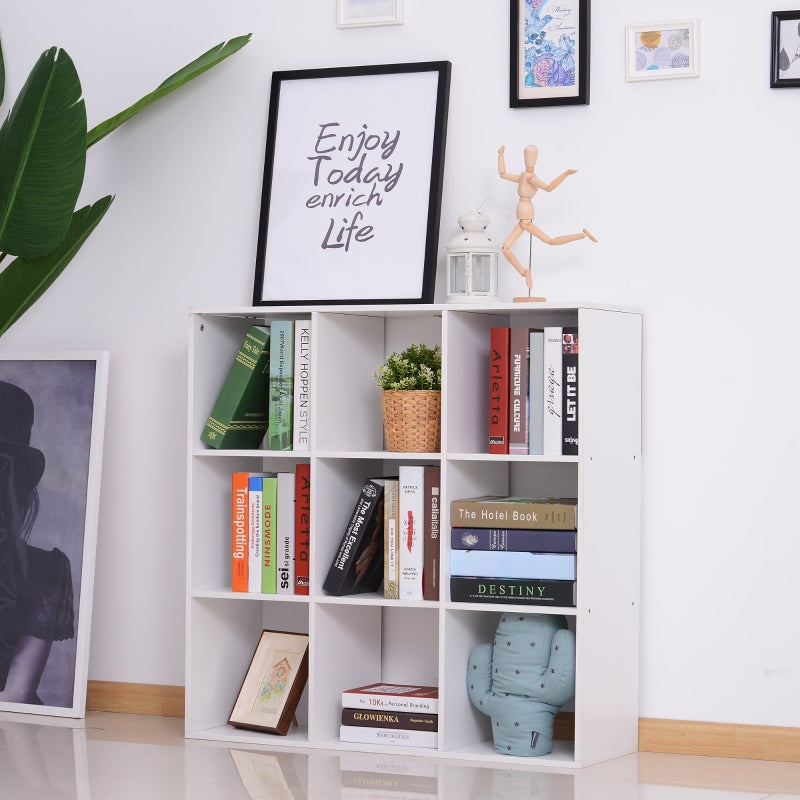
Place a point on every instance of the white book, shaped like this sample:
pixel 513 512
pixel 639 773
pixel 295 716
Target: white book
pixel 551 434
pixel 285 545
pixel 392 736
pixel 412 530
pixel 301 420
pixel 367 793
pixel 536 393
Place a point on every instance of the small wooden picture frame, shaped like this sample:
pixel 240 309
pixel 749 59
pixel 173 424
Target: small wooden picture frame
pixel 273 684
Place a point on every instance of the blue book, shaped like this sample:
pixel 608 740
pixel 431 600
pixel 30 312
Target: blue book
pixel 519 539
pixel 500 564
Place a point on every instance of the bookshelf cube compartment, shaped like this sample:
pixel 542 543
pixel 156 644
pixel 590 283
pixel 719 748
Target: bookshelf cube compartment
pixel 347 351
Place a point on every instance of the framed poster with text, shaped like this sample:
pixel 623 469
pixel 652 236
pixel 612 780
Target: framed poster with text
pixel 352 187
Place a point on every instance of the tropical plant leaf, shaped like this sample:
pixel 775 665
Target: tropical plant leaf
pixel 197 67
pixel 2 75
pixel 42 157
pixel 25 280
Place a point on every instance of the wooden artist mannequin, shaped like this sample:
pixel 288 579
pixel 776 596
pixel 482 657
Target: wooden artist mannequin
pixel 528 183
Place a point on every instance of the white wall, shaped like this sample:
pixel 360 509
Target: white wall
pixel 691 187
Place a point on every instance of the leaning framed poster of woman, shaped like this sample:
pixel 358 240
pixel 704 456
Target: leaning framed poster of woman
pixel 52 419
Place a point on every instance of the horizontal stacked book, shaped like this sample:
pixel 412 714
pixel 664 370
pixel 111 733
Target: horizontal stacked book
pixel 533 390
pixel 270 531
pixel 506 549
pixel 393 714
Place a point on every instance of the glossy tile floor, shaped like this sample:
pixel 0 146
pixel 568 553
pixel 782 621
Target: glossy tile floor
pixel 121 756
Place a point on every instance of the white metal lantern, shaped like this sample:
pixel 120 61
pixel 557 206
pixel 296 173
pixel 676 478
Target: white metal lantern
pixel 472 257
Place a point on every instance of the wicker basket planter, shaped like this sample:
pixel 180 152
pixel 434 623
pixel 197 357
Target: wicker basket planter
pixel 412 420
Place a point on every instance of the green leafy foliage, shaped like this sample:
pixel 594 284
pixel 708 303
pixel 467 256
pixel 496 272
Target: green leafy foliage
pixel 25 280
pixel 43 144
pixel 43 147
pixel 200 65
pixel 416 367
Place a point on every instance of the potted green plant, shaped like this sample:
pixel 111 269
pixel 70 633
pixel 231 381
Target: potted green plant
pixel 43 144
pixel 411 399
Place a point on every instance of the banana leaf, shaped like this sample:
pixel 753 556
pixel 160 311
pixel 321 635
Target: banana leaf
pixel 200 65
pixel 43 147
pixel 2 75
pixel 25 280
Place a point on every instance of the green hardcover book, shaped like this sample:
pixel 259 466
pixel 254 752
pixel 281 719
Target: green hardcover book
pixel 269 542
pixel 281 384
pixel 240 415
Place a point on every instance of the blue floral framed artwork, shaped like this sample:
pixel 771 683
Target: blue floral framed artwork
pixel 549 53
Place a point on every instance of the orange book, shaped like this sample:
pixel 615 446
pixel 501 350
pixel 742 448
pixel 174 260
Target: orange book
pixel 239 531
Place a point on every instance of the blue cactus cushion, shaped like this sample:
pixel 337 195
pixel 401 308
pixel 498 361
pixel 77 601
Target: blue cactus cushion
pixel 522 679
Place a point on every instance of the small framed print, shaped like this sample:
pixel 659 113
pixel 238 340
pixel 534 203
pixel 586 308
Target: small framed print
pixel 663 50
pixel 273 684
pixel 549 53
pixel 785 71
pixel 366 13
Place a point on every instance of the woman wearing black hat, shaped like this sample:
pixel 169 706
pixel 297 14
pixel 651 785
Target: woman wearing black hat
pixel 36 603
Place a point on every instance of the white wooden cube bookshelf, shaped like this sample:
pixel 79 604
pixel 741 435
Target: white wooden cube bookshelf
pixel 364 638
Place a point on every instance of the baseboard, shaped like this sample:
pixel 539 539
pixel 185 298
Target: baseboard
pixel 724 740
pixel 135 698
pixel 759 742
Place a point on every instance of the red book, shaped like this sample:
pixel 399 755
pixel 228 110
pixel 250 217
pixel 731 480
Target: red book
pixel 302 527
pixel 239 531
pixel 500 340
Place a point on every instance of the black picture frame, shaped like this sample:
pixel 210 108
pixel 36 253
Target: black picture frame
pixel 785 49
pixel 352 187
pixel 549 39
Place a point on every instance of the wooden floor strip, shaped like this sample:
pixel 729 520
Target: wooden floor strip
pixel 135 698
pixel 761 742
pixel 684 737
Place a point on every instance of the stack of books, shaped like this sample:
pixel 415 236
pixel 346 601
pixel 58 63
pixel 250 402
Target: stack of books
pixel 393 714
pixel 533 390
pixel 513 550
pixel 392 537
pixel 267 392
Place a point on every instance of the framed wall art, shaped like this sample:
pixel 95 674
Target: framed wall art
pixel 366 13
pixel 352 187
pixel 663 50
pixel 549 52
pixel 52 420
pixel 273 684
pixel 785 66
